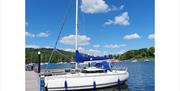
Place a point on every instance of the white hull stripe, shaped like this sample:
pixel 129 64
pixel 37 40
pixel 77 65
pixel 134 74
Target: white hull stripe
pixel 85 86
pixel 78 76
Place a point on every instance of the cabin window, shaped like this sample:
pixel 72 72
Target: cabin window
pixel 97 71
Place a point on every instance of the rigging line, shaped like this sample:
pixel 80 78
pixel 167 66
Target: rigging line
pixel 65 19
pixel 63 55
pixel 60 54
pixel 62 27
pixel 50 58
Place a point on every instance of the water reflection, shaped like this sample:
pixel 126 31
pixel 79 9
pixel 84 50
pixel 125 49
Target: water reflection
pixel 123 87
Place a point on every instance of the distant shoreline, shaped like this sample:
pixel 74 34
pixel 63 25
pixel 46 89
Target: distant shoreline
pixel 143 54
pixel 144 59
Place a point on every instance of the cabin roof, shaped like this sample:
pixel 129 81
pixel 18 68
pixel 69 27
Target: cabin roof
pixel 93 69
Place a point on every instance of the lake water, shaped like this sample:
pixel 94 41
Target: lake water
pixel 141 75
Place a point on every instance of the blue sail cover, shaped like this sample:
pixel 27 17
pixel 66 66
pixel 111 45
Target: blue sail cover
pixel 80 59
pixel 105 65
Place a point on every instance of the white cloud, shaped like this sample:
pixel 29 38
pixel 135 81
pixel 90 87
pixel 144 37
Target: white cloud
pixel 114 46
pixel 95 52
pixel 70 40
pixel 151 36
pixel 97 6
pixel 109 22
pixel 114 52
pixel 42 34
pixel 36 46
pixel 30 34
pixel 94 6
pixel 114 8
pixel 119 52
pixel 132 36
pixel 96 46
pixel 86 51
pixel 121 7
pixel 122 20
pixel 48 47
pixel 90 51
pixel 81 49
pixel 68 49
pixel 32 46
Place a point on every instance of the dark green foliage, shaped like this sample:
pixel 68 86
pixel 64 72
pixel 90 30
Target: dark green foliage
pixel 144 53
pixel 31 54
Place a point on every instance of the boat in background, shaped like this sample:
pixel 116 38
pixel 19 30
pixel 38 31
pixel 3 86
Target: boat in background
pixel 114 61
pixel 134 60
pixel 146 60
pixel 44 63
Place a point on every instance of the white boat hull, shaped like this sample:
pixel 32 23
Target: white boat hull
pixel 85 81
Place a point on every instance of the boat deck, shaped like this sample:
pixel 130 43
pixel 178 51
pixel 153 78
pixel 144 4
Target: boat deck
pixel 32 81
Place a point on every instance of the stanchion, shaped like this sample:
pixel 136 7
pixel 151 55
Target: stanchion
pixel 65 85
pixel 119 84
pixel 94 85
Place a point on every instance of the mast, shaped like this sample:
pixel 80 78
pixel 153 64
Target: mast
pixel 76 45
pixel 76 30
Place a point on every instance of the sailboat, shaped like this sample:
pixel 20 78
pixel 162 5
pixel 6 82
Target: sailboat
pixel 87 78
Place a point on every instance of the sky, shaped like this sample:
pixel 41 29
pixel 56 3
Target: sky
pixel 105 26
